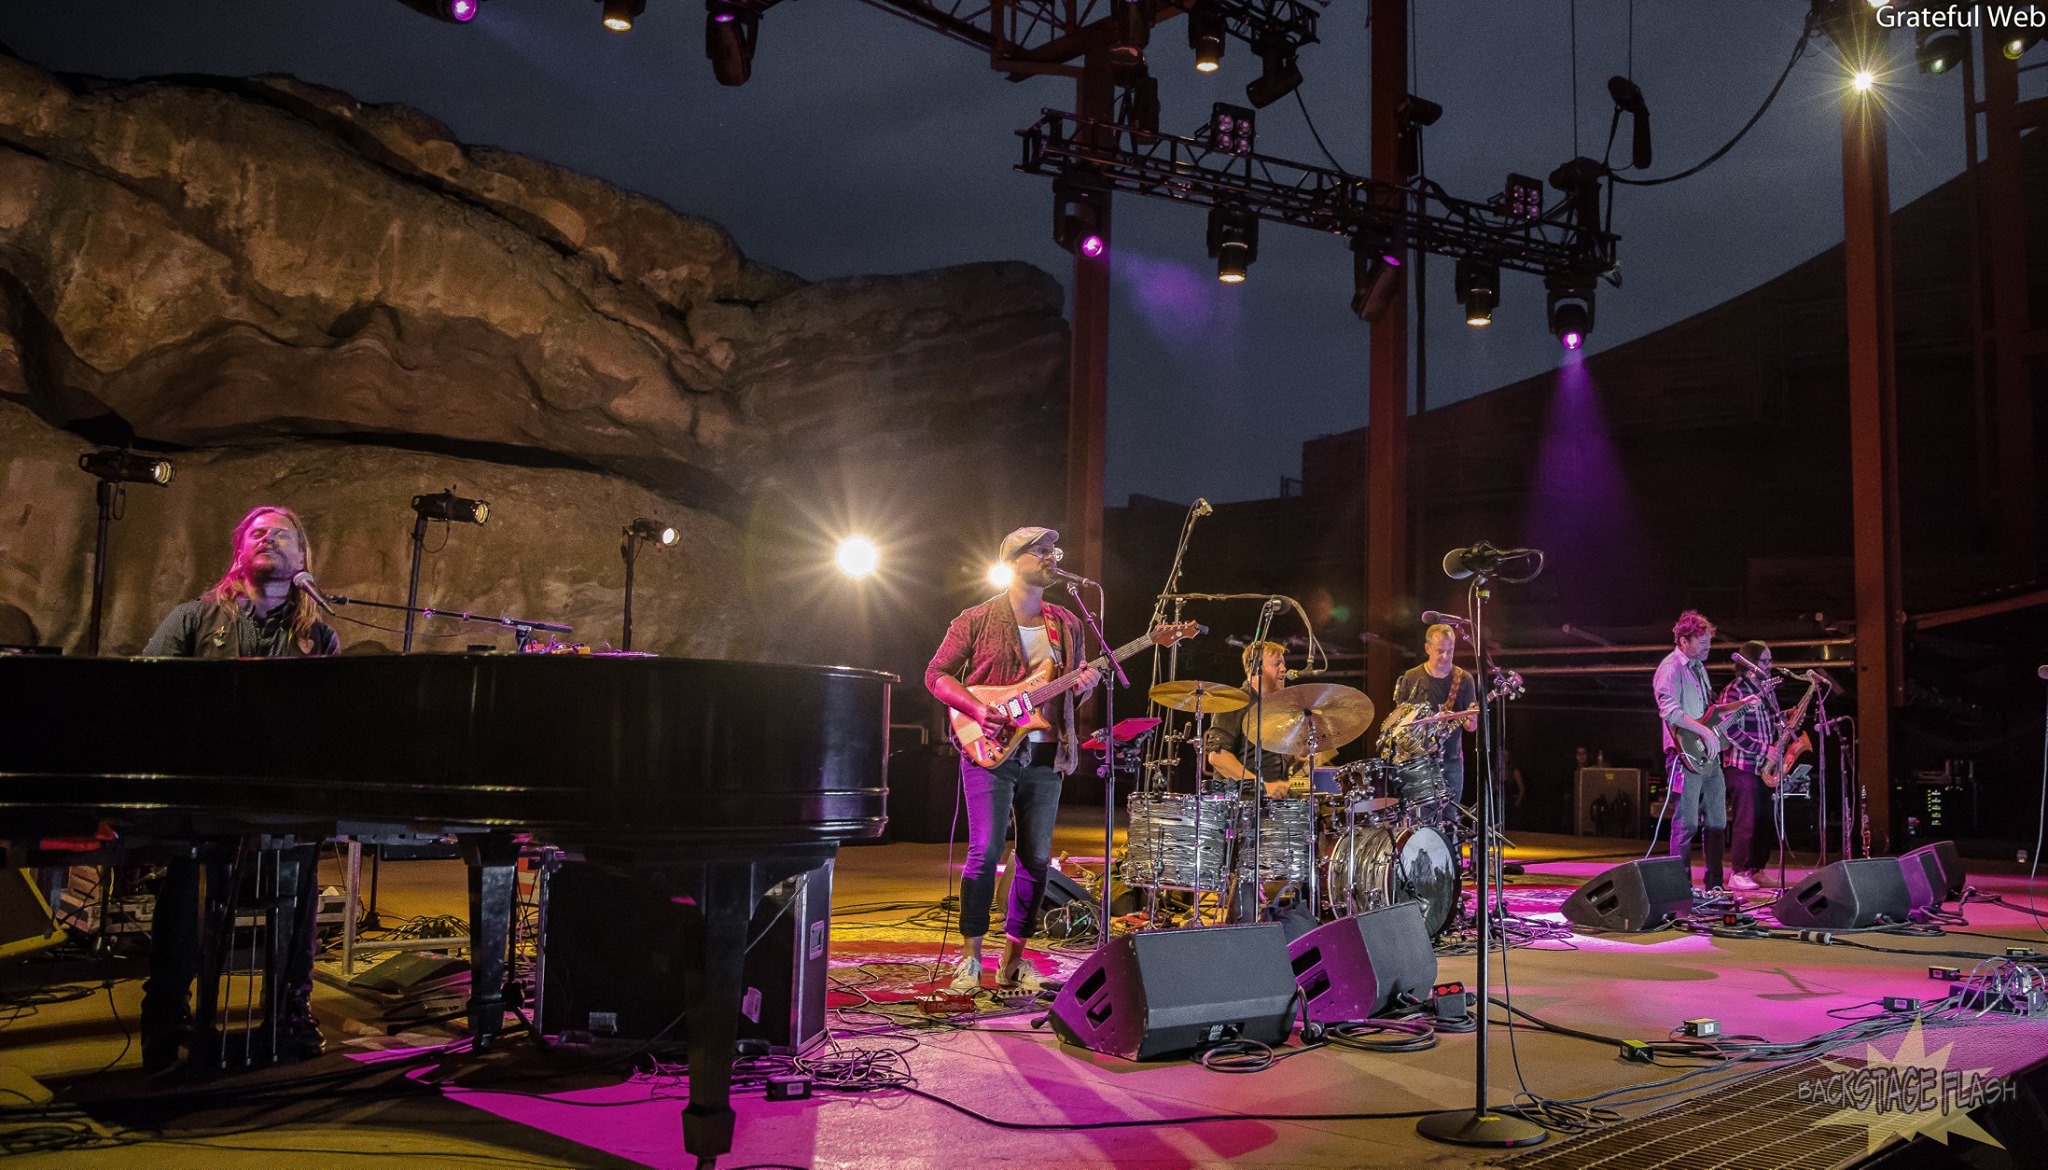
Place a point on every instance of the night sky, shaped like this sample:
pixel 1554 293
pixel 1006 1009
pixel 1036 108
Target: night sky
pixel 864 144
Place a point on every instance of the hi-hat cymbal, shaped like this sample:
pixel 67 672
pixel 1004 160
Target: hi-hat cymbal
pixel 1314 715
pixel 1191 694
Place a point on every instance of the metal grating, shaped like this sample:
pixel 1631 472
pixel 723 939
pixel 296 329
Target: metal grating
pixel 1760 1121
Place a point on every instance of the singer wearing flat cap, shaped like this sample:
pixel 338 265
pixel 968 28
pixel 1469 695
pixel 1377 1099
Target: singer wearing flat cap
pixel 1004 640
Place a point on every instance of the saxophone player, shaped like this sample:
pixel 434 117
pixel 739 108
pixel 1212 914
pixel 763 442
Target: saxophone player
pixel 1745 750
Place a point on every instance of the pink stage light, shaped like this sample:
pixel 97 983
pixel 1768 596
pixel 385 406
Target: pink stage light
pixel 1093 245
pixel 1573 339
pixel 462 11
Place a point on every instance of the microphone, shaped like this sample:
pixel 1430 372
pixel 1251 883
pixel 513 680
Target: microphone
pixel 1753 668
pixel 1433 618
pixel 1063 575
pixel 1202 507
pixel 1486 560
pixel 304 581
pixel 1295 674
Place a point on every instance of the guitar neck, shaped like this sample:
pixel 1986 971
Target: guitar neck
pixel 1066 681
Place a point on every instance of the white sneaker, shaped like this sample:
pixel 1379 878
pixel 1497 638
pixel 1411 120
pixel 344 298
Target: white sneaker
pixel 1741 881
pixel 966 977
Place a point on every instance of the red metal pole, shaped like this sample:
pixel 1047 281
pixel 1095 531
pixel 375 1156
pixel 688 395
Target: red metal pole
pixel 1388 607
pixel 1088 359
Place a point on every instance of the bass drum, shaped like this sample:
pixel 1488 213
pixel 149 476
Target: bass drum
pixel 1370 867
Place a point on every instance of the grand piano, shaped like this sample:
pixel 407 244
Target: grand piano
pixel 713 781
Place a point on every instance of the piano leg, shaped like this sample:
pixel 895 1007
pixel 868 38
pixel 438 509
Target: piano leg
pixel 493 863
pixel 725 895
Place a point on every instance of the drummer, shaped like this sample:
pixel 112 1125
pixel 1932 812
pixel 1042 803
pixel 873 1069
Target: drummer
pixel 1226 741
pixel 1445 686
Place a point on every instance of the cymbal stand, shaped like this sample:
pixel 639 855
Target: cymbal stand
pixel 1480 1125
pixel 1267 611
pixel 1116 675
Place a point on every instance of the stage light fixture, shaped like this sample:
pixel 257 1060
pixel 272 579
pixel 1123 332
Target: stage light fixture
pixel 1233 240
pixel 2016 46
pixel 1478 289
pixel 1524 197
pixel 619 15
pixel 1000 575
pixel 653 532
pixel 1862 80
pixel 1140 105
pixel 1938 50
pixel 730 31
pixel 1579 180
pixel 1133 33
pixel 1278 74
pixel 460 11
pixel 1570 312
pixel 125 467
pixel 1206 28
pixel 446 505
pixel 1411 116
pixel 1375 277
pixel 1080 214
pixel 1628 99
pixel 1233 129
pixel 858 556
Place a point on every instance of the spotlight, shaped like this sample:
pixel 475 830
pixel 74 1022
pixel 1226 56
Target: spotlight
pixel 619 15
pixel 2017 45
pixel 1939 50
pixel 1133 33
pixel 858 556
pixel 1411 116
pixel 1232 129
pixel 1579 180
pixel 1863 80
pixel 1205 35
pixel 1000 575
pixel 1628 99
pixel 1478 289
pixel 449 506
pixel 125 467
pixel 730 31
pixel 1140 101
pixel 1080 213
pixel 1233 240
pixel 1375 277
pixel 1570 310
pixel 460 11
pixel 1524 197
pixel 1278 77
pixel 652 531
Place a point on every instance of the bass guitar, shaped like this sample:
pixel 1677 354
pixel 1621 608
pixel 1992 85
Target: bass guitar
pixel 1022 703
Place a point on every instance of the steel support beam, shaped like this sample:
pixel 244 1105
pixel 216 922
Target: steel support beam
pixel 1388 607
pixel 2015 503
pixel 1088 360
pixel 1873 449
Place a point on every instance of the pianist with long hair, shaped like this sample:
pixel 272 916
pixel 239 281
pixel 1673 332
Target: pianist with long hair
pixel 254 611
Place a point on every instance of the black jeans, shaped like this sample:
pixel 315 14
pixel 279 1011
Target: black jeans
pixel 1750 821
pixel 1027 784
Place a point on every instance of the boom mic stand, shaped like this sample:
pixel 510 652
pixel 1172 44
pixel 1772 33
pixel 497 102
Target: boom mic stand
pixel 522 628
pixel 1108 751
pixel 1479 1125
pixel 1166 741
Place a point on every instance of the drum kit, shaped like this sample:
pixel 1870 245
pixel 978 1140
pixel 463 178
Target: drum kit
pixel 1347 839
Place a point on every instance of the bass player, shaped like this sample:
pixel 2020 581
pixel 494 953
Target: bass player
pixel 1692 745
pixel 1001 641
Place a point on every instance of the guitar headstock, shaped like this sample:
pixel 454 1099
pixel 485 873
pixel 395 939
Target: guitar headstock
pixel 1167 635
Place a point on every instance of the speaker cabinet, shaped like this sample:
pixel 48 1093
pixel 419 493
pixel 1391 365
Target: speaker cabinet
pixel 1933 874
pixel 1860 892
pixel 1164 993
pixel 612 952
pixel 1633 896
pixel 25 921
pixel 1355 968
pixel 1608 802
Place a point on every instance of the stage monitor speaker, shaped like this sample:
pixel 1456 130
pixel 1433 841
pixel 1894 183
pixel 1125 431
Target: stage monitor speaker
pixel 25 921
pixel 1355 968
pixel 1608 802
pixel 1163 993
pixel 1933 874
pixel 612 952
pixel 1861 892
pixel 1633 896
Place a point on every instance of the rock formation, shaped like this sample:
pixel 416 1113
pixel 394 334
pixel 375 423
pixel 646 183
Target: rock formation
pixel 312 301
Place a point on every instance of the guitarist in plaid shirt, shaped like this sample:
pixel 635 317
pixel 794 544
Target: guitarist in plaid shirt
pixel 1745 746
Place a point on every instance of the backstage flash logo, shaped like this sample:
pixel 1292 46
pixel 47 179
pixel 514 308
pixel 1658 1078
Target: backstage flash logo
pixel 1906 1094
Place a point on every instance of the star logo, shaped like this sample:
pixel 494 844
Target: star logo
pixel 1908 1093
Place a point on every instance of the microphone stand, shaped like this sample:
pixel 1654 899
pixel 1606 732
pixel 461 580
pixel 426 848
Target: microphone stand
pixel 1108 771
pixel 109 494
pixel 1187 532
pixel 1258 765
pixel 1479 1125
pixel 1821 727
pixel 522 628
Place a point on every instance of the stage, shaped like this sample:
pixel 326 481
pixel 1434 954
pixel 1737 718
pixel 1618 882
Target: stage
pixel 995 1090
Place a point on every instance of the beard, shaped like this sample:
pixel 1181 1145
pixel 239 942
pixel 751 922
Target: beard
pixel 1039 578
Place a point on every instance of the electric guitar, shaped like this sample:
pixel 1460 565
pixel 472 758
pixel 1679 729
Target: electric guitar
pixel 1691 747
pixel 1022 703
pixel 1788 749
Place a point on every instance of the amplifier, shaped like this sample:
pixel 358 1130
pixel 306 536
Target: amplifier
pixel 1608 802
pixel 611 953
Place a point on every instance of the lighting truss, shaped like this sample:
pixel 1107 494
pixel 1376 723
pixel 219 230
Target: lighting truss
pixel 1022 36
pixel 1192 171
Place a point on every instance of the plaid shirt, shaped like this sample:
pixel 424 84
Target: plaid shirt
pixel 1747 739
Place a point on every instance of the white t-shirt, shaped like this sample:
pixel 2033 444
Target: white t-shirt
pixel 1037 652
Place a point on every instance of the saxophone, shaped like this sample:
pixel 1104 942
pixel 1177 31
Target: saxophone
pixel 1786 748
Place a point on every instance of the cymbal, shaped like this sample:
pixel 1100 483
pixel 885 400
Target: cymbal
pixel 1329 715
pixel 1188 694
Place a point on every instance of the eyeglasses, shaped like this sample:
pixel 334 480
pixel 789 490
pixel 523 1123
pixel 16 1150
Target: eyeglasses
pixel 1055 555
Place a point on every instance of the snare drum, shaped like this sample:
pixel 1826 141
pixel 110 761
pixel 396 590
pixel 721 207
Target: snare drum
pixel 1368 868
pixel 1165 846
pixel 1286 839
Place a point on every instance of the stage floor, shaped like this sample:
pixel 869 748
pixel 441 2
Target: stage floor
pixel 521 1108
